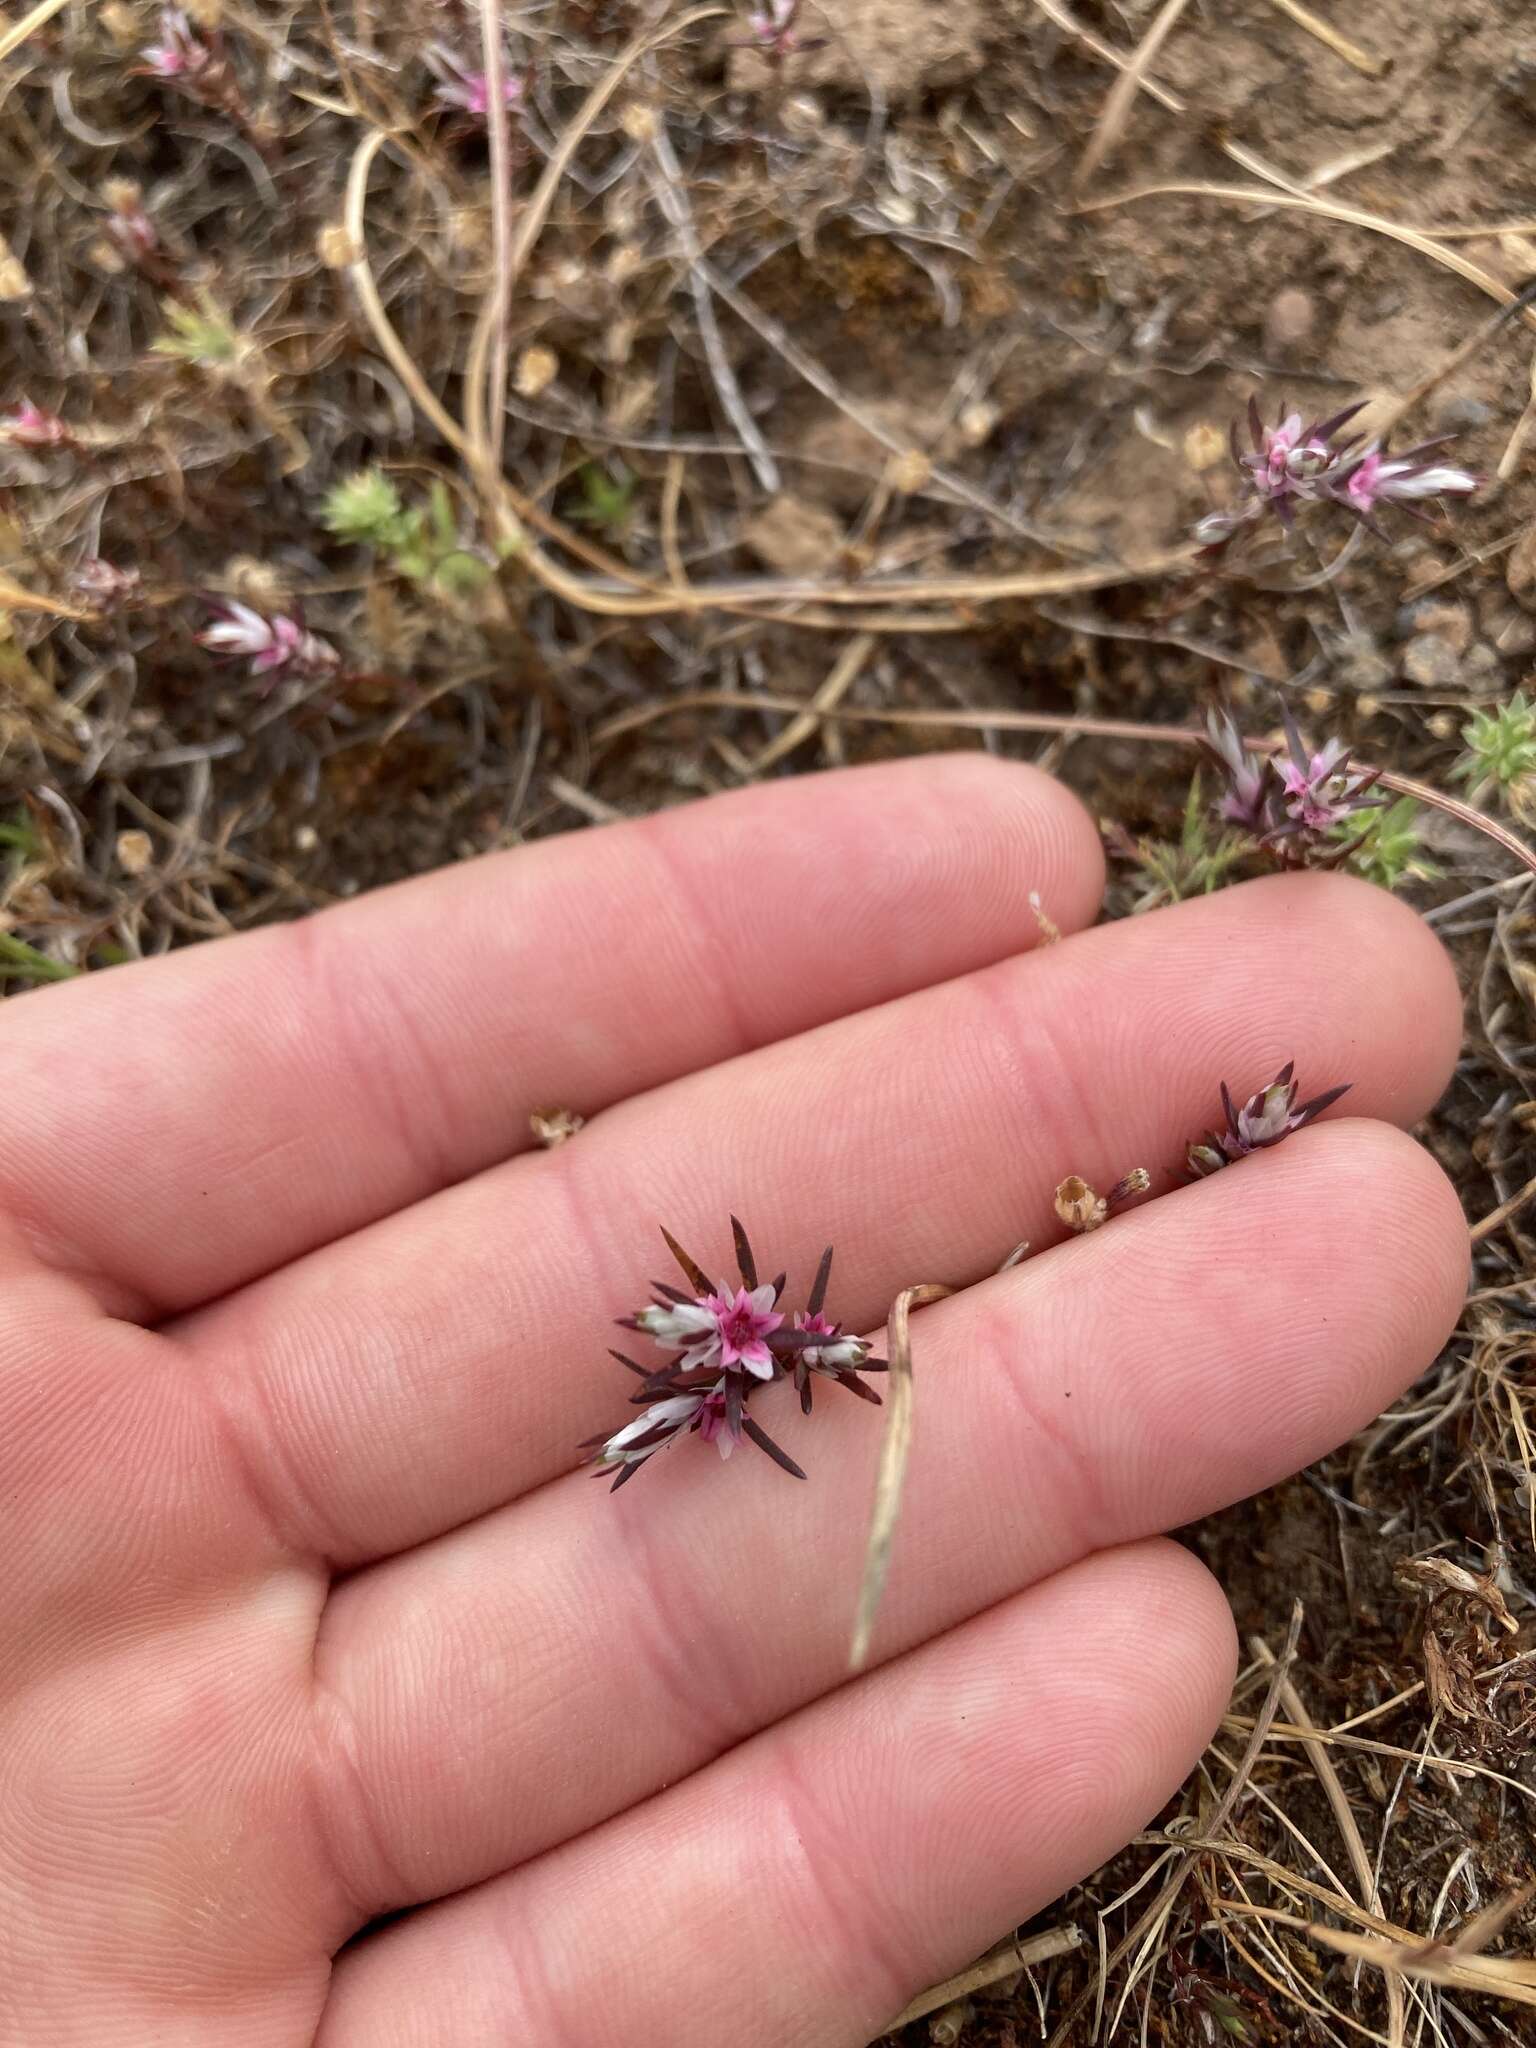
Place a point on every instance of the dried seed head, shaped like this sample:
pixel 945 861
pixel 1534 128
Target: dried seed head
pixel 135 852
pixel 537 369
pixel 1078 1206
pixel 554 1127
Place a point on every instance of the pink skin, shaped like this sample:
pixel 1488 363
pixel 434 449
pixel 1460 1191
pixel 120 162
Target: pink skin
pixel 286 1292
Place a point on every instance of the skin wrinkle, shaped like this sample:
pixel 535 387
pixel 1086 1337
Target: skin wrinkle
pixel 836 1892
pixel 682 1644
pixel 328 975
pixel 308 1542
pixel 1081 1502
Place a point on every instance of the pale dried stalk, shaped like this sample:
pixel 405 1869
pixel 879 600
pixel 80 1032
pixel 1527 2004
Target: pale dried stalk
pixel 672 195
pixel 1054 11
pixel 1341 46
pixel 841 677
pixel 892 1472
pixel 1003 1962
pixel 1122 94
pixel 1053 721
pixel 1326 209
pixel 1344 1819
pixel 16 34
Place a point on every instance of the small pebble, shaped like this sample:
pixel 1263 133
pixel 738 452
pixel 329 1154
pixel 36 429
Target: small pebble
pixel 1450 622
pixel 1431 663
pixel 1512 632
pixel 1481 665
pixel 1290 320
pixel 135 852
pixel 1460 415
pixel 1520 570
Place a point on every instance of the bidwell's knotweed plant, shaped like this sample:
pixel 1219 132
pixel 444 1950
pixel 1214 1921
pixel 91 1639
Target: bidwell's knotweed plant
pixel 731 1343
pixel 1264 1120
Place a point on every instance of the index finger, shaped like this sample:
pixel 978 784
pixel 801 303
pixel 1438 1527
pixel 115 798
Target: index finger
pixel 178 1127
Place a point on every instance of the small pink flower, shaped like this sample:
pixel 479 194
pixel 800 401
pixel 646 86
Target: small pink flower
pixel 104 584
pixel 1378 478
pixel 468 90
pixel 774 30
pixel 273 644
pixel 30 426
pixel 661 1424
pixel 838 1354
pixel 181 51
pixel 746 1320
pixel 716 1424
pixel 734 1343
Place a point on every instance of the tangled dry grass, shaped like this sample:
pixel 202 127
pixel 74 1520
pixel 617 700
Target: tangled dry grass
pixel 775 415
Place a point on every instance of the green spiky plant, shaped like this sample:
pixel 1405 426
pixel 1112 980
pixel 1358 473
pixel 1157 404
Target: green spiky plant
pixel 1500 759
pixel 420 542
pixel 1385 844
pixel 1194 864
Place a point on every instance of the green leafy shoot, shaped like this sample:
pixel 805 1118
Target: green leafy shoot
pixel 420 542
pixel 21 962
pixel 1194 864
pixel 1386 844
pixel 20 834
pixel 1501 750
pixel 607 500
pixel 201 335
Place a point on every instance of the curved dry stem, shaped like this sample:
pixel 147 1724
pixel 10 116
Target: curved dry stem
pixel 485 377
pixel 894 1448
pixel 1059 722
pixel 12 37
pixel 1326 209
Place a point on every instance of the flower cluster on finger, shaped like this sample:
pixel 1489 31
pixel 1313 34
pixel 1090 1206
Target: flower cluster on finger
pixel 730 1342
pixel 1293 804
pixel 1294 463
pixel 1264 1119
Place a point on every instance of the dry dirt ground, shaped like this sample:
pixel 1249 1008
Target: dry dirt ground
pixel 856 317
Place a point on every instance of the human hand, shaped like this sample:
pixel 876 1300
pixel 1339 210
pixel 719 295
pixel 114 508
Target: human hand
pixel 308 1618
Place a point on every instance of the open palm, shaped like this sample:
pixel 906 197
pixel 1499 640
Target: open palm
pixel 309 1619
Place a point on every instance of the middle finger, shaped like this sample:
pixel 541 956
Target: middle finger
pixel 440 1363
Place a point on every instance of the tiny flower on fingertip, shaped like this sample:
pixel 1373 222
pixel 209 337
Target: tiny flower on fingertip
pixel 1264 1119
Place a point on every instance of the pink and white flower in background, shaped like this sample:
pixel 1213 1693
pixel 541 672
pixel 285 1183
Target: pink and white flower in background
pixel 467 90
pixel 275 644
pixel 181 52
pixel 32 426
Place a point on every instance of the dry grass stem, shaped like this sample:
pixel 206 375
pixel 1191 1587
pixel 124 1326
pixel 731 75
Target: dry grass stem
pixel 1022 1954
pixel 1341 46
pixel 890 1476
pixel 1122 94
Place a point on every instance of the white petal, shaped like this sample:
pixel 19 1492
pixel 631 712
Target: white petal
pixel 762 1298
